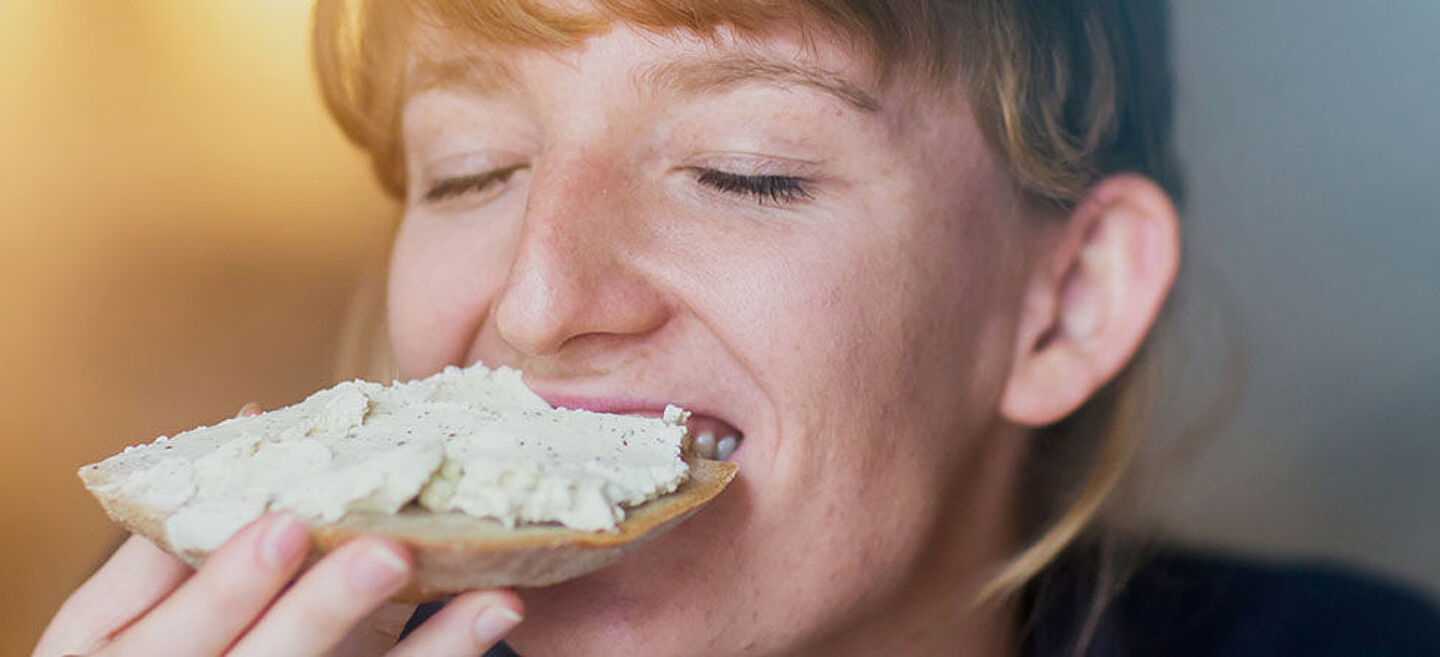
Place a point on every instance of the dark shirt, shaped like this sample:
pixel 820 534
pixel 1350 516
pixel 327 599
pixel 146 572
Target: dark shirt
pixel 1192 605
pixel 1181 604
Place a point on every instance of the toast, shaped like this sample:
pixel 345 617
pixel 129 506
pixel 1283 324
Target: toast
pixel 165 492
pixel 454 552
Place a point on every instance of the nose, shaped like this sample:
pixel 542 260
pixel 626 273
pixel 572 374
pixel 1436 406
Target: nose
pixel 575 271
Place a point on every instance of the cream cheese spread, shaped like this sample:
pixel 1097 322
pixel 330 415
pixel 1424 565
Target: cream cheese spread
pixel 471 440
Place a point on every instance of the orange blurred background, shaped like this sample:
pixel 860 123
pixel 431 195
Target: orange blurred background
pixel 183 228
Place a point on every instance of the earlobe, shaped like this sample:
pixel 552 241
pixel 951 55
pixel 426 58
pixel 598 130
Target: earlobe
pixel 1091 301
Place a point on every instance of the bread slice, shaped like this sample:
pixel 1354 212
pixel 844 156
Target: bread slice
pixel 454 552
pixel 468 467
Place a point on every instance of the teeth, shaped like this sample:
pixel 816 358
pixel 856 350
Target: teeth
pixel 726 447
pixel 705 445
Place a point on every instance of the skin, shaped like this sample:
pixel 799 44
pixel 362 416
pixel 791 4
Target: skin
pixel 886 341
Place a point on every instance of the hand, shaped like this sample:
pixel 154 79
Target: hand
pixel 146 602
pixel 246 600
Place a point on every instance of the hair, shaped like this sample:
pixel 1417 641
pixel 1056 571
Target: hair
pixel 1066 91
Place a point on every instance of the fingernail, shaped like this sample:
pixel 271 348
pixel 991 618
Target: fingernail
pixel 379 568
pixel 494 623
pixel 250 408
pixel 283 541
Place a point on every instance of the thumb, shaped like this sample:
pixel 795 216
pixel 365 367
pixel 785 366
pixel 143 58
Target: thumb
pixel 378 632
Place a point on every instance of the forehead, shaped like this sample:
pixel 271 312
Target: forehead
pixel 785 54
pixel 677 67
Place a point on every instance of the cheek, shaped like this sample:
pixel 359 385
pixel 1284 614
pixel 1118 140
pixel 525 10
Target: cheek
pixel 868 343
pixel 855 328
pixel 444 274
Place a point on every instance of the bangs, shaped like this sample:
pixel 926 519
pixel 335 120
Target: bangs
pixel 875 29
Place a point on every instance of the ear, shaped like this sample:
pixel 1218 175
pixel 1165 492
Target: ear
pixel 1092 298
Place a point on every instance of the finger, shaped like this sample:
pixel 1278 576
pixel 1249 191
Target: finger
pixel 136 577
pixel 378 632
pixel 470 625
pixel 236 583
pixel 249 409
pixel 320 609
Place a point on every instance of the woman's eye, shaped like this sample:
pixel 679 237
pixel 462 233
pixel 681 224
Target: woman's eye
pixel 460 185
pixel 764 189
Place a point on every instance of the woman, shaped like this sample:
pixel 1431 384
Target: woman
pixel 907 253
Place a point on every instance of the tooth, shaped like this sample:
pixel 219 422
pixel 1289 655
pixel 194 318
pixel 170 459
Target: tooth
pixel 726 447
pixel 705 445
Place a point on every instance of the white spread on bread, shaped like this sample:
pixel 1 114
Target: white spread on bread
pixel 471 440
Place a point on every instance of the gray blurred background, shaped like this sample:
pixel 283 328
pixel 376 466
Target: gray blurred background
pixel 1310 131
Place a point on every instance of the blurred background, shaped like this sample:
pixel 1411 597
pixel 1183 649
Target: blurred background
pixel 183 230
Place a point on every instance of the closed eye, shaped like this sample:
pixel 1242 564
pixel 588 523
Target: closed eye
pixel 779 190
pixel 459 185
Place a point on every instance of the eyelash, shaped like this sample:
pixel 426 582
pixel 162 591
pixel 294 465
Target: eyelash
pixel 780 190
pixel 450 187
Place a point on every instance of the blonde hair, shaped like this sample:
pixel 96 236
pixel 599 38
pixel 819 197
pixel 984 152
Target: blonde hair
pixel 1067 91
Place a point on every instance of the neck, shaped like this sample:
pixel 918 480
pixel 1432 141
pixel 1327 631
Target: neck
pixel 936 612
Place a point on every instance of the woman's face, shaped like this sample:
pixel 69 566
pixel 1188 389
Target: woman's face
pixel 750 228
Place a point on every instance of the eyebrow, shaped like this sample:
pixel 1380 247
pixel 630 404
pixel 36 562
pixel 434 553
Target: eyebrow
pixel 706 75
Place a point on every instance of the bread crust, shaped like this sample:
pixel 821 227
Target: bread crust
pixel 454 552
